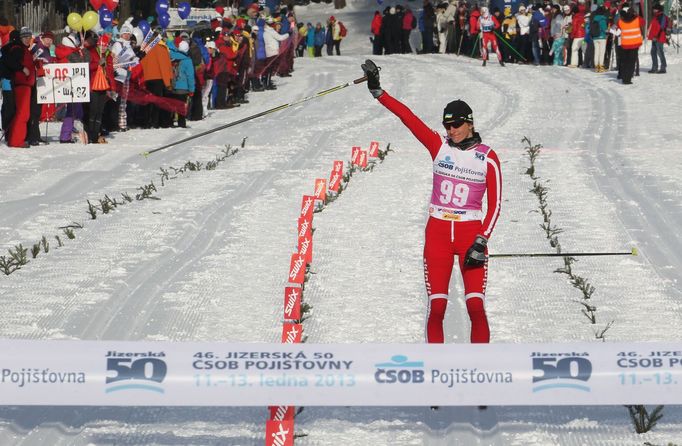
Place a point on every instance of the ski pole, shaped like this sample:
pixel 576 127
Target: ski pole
pixel 510 47
pixel 633 252
pixel 478 36
pixel 258 115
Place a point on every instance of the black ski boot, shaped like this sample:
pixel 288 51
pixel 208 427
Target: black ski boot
pixel 484 62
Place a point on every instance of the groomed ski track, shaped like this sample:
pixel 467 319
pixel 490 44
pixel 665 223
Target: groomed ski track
pixel 208 261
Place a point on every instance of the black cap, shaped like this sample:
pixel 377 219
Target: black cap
pixel 457 110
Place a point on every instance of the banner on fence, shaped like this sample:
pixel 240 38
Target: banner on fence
pixel 64 83
pixel 109 373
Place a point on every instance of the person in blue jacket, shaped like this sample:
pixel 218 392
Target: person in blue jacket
pixel 183 75
pixel 310 40
pixel 320 39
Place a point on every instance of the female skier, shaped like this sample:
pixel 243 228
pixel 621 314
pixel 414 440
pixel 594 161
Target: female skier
pixel 464 170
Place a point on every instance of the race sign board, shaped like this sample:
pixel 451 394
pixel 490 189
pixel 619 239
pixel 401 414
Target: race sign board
pixel 120 373
pixel 64 83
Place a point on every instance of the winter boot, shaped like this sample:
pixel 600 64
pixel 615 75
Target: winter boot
pixel 501 63
pixel 484 62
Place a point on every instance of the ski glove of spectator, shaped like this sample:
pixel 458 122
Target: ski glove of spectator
pixel 476 253
pixel 372 73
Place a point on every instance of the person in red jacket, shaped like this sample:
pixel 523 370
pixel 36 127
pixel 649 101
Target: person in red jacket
pixel 464 171
pixel 657 34
pixel 408 20
pixel 376 33
pixel 20 62
pixel 473 28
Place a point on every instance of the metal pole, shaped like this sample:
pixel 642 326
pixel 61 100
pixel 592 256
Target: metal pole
pixel 258 115
pixel 633 252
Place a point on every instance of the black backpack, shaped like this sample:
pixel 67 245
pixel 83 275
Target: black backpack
pixel 595 29
pixel 414 22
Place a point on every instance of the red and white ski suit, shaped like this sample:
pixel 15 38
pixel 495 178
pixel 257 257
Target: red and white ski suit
pixel 488 24
pixel 461 178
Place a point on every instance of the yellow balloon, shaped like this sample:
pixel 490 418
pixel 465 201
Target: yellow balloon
pixel 75 21
pixel 90 19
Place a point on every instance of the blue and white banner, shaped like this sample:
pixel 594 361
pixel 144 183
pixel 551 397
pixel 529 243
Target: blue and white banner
pixel 94 373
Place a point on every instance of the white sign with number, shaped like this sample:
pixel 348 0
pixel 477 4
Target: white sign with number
pixel 64 83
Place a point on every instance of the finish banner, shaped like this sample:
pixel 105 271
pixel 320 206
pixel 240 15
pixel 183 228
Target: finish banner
pixel 109 373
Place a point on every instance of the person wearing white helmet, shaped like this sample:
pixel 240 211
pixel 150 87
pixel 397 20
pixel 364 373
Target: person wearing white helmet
pixel 523 20
pixel 124 60
pixel 488 23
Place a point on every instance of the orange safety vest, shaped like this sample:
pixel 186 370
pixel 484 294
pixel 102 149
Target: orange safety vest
pixel 631 35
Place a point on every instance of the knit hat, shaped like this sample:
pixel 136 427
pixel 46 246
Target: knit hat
pixel 183 47
pixel 210 44
pixel 47 35
pixel 457 110
pixel 25 32
pixel 126 29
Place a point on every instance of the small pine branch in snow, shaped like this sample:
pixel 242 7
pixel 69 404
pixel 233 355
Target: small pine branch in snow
pixel 642 419
pixel 164 175
pixel 244 142
pixel 92 210
pixel 19 255
pixel 69 233
pixel 8 265
pixel 45 244
pixel 35 250
pixel 599 334
pixel 59 241
pixel 384 153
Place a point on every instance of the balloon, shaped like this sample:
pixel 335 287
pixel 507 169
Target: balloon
pixel 164 20
pixel 90 19
pixel 75 21
pixel 183 10
pixel 96 4
pixel 111 5
pixel 144 27
pixel 161 7
pixel 105 17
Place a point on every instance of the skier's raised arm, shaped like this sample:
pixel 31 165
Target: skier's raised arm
pixel 427 136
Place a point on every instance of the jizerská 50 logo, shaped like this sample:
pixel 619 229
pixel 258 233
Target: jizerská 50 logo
pixel 399 370
pixel 561 371
pixel 135 371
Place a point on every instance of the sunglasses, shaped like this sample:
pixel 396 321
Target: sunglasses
pixel 457 123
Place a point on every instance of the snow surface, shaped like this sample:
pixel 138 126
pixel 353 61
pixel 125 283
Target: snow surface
pixel 208 261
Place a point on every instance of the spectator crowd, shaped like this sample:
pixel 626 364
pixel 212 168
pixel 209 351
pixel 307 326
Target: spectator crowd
pixel 150 78
pixel 595 35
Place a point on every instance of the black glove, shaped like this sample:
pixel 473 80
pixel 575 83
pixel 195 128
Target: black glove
pixel 476 253
pixel 372 73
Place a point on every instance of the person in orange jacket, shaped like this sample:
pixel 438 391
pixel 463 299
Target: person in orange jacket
pixel 158 72
pixel 630 27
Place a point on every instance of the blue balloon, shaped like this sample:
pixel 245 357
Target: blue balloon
pixel 161 6
pixel 144 27
pixel 164 20
pixel 183 10
pixel 106 18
